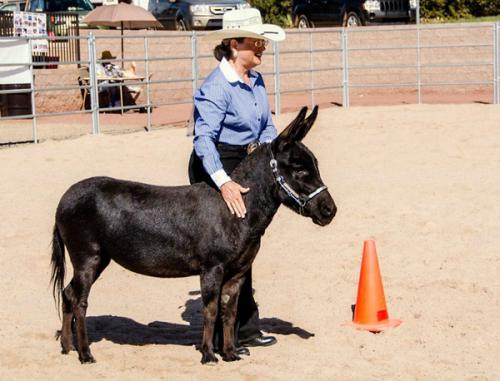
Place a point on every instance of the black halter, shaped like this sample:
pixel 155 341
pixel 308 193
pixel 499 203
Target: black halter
pixel 300 200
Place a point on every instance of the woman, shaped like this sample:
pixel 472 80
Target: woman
pixel 108 69
pixel 232 114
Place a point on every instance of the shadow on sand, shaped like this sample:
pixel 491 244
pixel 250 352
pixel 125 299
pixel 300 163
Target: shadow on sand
pixel 122 330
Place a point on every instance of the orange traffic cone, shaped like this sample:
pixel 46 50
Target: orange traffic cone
pixel 370 313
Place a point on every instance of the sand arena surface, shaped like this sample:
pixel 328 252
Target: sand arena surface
pixel 424 181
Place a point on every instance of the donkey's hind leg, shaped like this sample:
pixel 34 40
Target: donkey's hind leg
pixel 68 300
pixel 84 276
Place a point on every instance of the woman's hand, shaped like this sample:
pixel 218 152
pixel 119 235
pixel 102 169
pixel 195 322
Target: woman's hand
pixel 231 192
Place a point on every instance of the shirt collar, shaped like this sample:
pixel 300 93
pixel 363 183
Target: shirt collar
pixel 230 74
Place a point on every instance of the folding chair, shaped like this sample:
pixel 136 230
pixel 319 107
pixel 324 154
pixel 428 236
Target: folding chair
pixel 83 80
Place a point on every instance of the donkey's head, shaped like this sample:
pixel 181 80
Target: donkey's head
pixel 295 169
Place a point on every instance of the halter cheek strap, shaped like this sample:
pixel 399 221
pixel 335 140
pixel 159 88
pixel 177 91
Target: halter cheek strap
pixel 300 200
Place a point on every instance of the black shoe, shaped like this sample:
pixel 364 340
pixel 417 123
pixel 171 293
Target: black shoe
pixel 238 350
pixel 242 351
pixel 261 341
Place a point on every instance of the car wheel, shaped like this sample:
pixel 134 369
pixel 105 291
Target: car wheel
pixel 181 25
pixel 352 20
pixel 303 22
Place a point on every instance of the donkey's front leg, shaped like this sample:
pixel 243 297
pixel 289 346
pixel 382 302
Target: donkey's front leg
pixel 229 303
pixel 211 281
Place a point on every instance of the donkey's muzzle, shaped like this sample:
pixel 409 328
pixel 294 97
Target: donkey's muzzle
pixel 325 210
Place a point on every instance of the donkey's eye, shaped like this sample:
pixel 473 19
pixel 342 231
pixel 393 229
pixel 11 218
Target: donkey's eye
pixel 300 173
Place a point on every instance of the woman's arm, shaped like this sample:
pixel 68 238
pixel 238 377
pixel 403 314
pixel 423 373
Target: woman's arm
pixel 210 106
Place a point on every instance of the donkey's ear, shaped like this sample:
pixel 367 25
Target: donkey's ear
pixel 298 129
pixel 307 124
pixel 288 134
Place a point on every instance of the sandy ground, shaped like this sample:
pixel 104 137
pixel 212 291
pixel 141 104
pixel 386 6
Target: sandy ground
pixel 423 181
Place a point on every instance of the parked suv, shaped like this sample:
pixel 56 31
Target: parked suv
pixel 61 25
pixel 80 7
pixel 348 13
pixel 12 6
pixel 193 14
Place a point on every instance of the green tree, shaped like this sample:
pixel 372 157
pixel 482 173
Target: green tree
pixel 480 8
pixel 453 9
pixel 275 11
pixel 279 11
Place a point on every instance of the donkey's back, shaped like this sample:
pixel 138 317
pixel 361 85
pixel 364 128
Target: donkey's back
pixel 152 230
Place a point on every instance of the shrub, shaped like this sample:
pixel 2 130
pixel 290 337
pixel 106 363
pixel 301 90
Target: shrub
pixel 279 11
pixel 430 9
pixel 275 11
pixel 480 8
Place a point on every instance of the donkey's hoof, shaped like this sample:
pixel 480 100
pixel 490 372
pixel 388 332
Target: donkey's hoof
pixel 230 357
pixel 208 358
pixel 66 347
pixel 87 359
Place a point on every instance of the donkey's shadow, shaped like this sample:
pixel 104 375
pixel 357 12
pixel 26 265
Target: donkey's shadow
pixel 122 330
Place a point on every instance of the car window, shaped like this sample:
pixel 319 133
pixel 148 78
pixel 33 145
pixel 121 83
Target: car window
pixel 60 5
pixel 8 7
pixel 12 7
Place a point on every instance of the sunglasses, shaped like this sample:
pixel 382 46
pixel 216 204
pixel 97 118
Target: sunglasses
pixel 259 43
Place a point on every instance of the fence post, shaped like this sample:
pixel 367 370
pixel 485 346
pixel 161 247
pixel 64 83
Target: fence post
pixel 277 84
pixel 496 64
pixel 498 61
pixel 419 67
pixel 311 65
pixel 94 94
pixel 148 89
pixel 417 13
pixel 345 70
pixel 77 41
pixel 32 93
pixel 194 61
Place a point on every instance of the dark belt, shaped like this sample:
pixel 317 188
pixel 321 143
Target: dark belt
pixel 248 148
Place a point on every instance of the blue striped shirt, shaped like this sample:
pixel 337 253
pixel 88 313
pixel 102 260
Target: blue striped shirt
pixel 227 110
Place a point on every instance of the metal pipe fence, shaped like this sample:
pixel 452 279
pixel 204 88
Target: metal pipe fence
pixel 496 66
pixel 319 60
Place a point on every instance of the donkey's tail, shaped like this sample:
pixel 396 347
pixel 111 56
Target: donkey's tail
pixel 58 266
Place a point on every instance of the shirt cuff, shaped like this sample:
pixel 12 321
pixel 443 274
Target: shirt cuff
pixel 220 177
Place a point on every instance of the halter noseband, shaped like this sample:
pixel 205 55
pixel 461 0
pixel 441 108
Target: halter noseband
pixel 300 200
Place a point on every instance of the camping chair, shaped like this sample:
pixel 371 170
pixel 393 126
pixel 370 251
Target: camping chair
pixel 84 83
pixel 83 80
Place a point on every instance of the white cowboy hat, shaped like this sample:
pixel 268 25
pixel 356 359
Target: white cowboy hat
pixel 246 23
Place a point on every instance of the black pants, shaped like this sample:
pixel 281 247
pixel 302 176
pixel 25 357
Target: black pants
pixel 247 316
